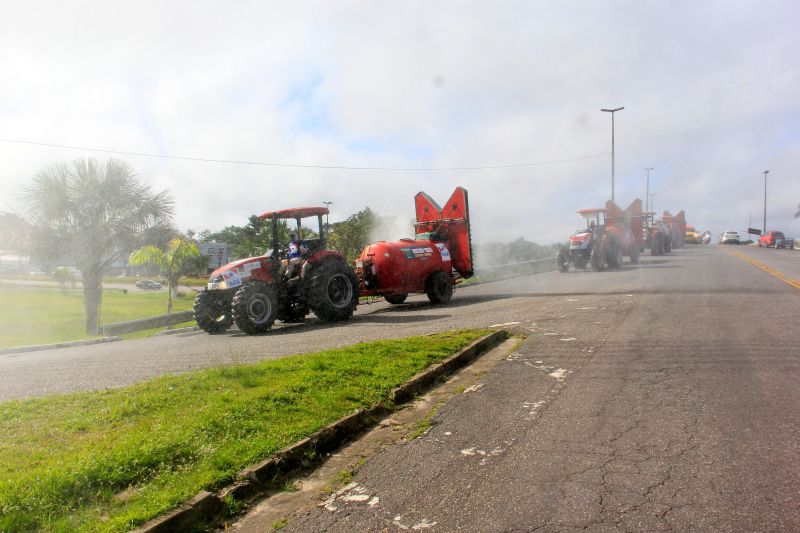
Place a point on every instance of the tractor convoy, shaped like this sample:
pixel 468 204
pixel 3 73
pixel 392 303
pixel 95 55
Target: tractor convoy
pixel 293 279
pixel 611 234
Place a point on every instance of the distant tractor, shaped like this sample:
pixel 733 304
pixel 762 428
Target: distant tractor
pixel 255 292
pixel 628 226
pixel 595 245
pixel 433 263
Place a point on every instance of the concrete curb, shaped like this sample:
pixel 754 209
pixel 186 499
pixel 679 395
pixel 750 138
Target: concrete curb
pixel 256 479
pixel 69 344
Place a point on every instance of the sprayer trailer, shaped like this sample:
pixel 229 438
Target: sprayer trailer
pixel 433 263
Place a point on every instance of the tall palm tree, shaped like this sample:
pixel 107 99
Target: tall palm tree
pixel 170 263
pixel 97 213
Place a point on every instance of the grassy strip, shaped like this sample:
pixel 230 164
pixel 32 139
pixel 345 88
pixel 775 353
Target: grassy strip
pixel 110 460
pixel 43 315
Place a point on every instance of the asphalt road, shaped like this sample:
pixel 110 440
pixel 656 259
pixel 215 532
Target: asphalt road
pixel 662 397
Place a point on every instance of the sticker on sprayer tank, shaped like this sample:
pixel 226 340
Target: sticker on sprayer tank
pixel 443 251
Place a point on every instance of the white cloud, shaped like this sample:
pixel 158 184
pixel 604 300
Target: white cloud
pixel 709 92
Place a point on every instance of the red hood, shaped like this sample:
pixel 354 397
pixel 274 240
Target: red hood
pixel 235 265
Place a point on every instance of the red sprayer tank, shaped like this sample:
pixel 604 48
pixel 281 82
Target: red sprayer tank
pixel 439 257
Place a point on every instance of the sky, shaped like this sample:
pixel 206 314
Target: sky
pixel 711 91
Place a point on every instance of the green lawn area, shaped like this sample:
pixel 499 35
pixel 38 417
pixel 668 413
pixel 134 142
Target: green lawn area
pixel 43 315
pixel 110 460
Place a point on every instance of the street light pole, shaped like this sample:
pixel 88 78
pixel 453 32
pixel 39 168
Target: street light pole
pixel 328 205
pixel 647 194
pixel 612 111
pixel 652 204
pixel 765 200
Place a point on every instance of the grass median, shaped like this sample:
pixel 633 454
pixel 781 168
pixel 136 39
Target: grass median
pixel 111 460
pixel 43 315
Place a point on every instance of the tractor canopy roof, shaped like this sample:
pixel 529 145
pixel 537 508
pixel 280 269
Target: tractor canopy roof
pixel 588 213
pixel 296 212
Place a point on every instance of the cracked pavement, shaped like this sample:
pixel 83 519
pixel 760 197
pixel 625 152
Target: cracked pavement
pixel 663 411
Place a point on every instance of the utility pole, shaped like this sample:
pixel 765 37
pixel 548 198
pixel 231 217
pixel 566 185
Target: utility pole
pixel 328 205
pixel 612 111
pixel 647 194
pixel 765 201
pixel 652 204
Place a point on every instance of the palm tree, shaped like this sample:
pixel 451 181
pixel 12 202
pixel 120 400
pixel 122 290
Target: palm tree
pixel 170 263
pixel 93 213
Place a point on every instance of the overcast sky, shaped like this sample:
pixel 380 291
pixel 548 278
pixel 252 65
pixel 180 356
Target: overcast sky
pixel 711 92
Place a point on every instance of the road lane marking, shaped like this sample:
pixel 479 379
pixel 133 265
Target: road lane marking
pixel 769 270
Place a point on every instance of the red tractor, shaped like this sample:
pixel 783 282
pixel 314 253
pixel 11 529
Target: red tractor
pixel 282 284
pixel 596 245
pixel 433 263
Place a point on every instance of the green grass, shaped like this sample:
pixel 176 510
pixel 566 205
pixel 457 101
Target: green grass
pixel 110 460
pixel 43 315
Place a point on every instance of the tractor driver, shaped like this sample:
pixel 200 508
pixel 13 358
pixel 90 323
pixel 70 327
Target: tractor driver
pixel 297 251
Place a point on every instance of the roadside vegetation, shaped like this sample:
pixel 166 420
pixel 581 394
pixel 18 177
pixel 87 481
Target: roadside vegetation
pixel 110 460
pixel 43 315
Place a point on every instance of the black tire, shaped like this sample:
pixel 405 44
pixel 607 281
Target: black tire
pixel 598 258
pixel 634 253
pixel 212 311
pixel 562 260
pixel 332 290
pixel 439 288
pixel 613 252
pixel 396 299
pixel 667 248
pixel 255 307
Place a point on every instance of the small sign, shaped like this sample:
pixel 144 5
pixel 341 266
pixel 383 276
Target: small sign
pixel 753 231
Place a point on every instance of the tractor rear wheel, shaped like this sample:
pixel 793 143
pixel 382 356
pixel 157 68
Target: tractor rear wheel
pixel 598 258
pixel 439 288
pixel 212 312
pixel 332 290
pixel 255 307
pixel 562 260
pixel 634 253
pixel 613 253
pixel 396 298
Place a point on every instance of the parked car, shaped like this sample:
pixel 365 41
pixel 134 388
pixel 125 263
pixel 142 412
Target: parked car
pixel 730 237
pixel 769 238
pixel 148 285
pixel 785 243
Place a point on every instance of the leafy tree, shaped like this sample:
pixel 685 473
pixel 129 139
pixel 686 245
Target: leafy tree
pixel 93 213
pixel 171 263
pixel 350 236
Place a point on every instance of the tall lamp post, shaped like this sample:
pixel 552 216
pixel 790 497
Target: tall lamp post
pixel 647 194
pixel 328 205
pixel 652 204
pixel 612 111
pixel 765 200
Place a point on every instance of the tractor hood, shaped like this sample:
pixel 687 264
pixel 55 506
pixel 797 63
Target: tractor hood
pixel 234 274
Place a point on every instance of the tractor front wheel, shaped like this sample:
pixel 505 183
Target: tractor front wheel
pixel 580 261
pixel 396 298
pixel 332 290
pixel 562 260
pixel 439 288
pixel 255 307
pixel 212 311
